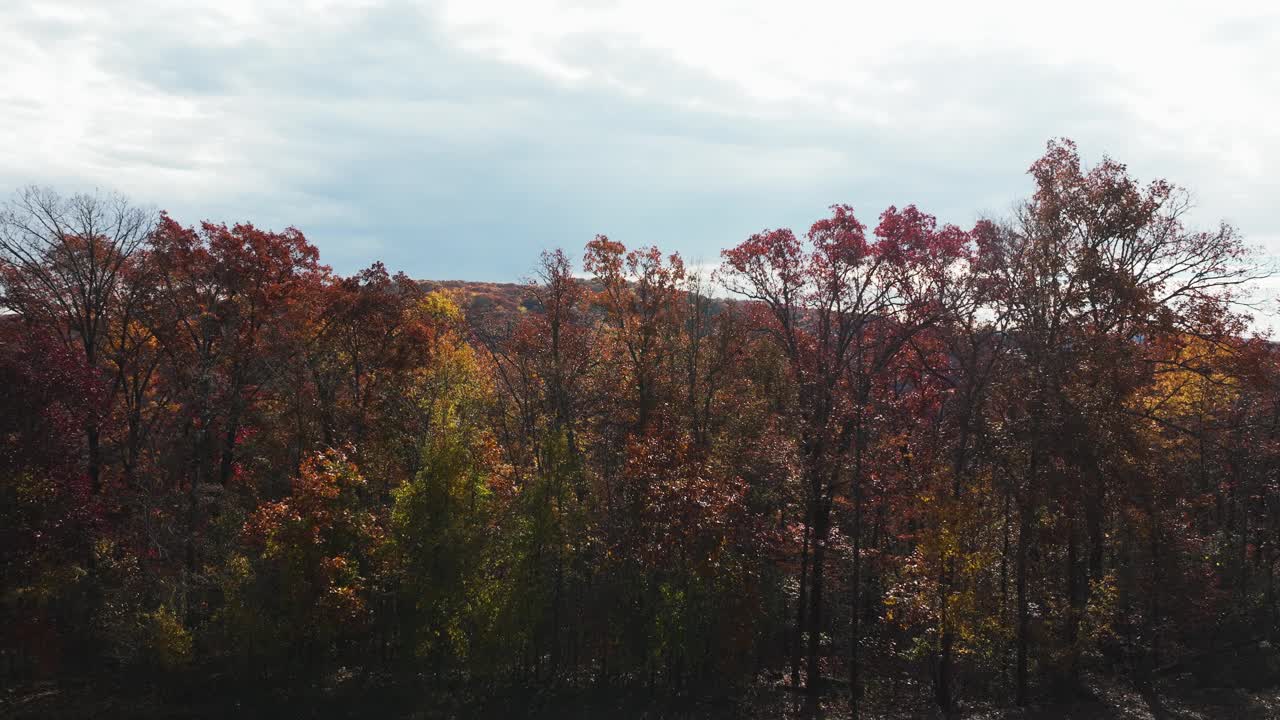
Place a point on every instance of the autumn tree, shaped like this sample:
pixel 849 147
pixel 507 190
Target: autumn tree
pixel 1094 270
pixel 299 591
pixel 543 367
pixel 224 320
pixel 841 307
pixel 61 259
pixel 366 339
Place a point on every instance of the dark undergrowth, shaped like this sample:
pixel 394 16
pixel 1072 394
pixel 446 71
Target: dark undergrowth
pixel 1174 698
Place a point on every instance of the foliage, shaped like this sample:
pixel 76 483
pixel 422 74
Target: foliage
pixel 988 461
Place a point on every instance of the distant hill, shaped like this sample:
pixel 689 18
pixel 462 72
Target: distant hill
pixel 500 300
pixel 485 298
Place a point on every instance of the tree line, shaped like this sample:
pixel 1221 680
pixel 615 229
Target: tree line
pixel 984 462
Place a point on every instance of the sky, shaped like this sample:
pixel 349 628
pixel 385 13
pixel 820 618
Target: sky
pixel 456 140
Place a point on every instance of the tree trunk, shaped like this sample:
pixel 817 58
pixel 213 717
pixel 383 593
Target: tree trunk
pixel 1024 541
pixel 855 605
pixel 821 527
pixel 95 458
pixel 1075 604
pixel 801 603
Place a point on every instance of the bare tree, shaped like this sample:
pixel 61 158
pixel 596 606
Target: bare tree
pixel 60 262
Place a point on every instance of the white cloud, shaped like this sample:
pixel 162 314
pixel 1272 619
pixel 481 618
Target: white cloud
pixel 458 138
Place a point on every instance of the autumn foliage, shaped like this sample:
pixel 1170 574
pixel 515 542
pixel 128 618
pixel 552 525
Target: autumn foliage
pixel 987 463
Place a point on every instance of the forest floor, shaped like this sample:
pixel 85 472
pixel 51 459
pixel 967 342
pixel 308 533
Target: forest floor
pixel 1103 699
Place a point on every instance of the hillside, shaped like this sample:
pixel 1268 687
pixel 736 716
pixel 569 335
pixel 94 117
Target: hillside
pixel 479 298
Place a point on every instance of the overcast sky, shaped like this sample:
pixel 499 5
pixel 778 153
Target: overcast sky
pixel 457 139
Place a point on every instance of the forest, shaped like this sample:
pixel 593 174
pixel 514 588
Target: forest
pixel 884 463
